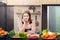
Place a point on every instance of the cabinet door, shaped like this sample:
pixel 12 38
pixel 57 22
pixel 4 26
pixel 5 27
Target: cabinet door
pixel 54 18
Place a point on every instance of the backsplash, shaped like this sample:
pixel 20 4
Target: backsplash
pixel 18 10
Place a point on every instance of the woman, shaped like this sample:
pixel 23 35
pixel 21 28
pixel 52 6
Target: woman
pixel 27 25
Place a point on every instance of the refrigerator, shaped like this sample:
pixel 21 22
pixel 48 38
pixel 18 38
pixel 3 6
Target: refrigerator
pixel 6 16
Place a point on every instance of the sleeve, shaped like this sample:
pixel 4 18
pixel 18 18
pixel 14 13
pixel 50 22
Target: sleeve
pixel 19 25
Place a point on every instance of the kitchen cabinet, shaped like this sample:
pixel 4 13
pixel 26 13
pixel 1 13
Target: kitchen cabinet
pixel 50 18
pixel 58 1
pixel 48 1
pixel 0 0
pixel 23 2
pixel 54 22
pixel 31 2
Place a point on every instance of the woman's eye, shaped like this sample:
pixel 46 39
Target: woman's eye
pixel 26 16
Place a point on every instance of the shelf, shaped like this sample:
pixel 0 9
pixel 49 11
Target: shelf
pixel 24 5
pixel 31 13
pixel 28 5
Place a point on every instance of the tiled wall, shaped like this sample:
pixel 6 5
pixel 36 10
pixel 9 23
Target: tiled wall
pixel 21 9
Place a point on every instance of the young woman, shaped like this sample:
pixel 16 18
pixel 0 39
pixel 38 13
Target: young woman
pixel 27 24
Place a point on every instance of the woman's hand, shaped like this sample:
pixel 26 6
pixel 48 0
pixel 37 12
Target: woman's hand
pixel 24 21
pixel 31 32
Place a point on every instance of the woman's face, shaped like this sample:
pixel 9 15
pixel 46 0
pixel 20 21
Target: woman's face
pixel 25 17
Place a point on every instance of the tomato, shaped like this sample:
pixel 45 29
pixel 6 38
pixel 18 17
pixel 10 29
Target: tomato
pixel 46 36
pixel 52 36
pixel 33 36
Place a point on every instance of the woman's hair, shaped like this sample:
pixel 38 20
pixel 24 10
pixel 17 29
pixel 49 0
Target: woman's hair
pixel 30 21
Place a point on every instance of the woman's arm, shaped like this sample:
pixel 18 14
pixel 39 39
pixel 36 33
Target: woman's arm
pixel 19 25
pixel 33 26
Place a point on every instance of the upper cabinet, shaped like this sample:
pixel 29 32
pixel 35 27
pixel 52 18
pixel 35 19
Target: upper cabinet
pixel 48 1
pixel 58 1
pixel 0 0
pixel 23 2
pixel 3 1
pixel 30 2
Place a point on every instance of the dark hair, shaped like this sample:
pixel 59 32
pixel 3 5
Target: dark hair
pixel 30 21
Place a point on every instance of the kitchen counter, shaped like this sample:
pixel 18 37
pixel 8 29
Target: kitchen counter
pixel 16 36
pixel 26 39
pixel 9 38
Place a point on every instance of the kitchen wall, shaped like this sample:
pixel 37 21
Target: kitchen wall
pixel 18 16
